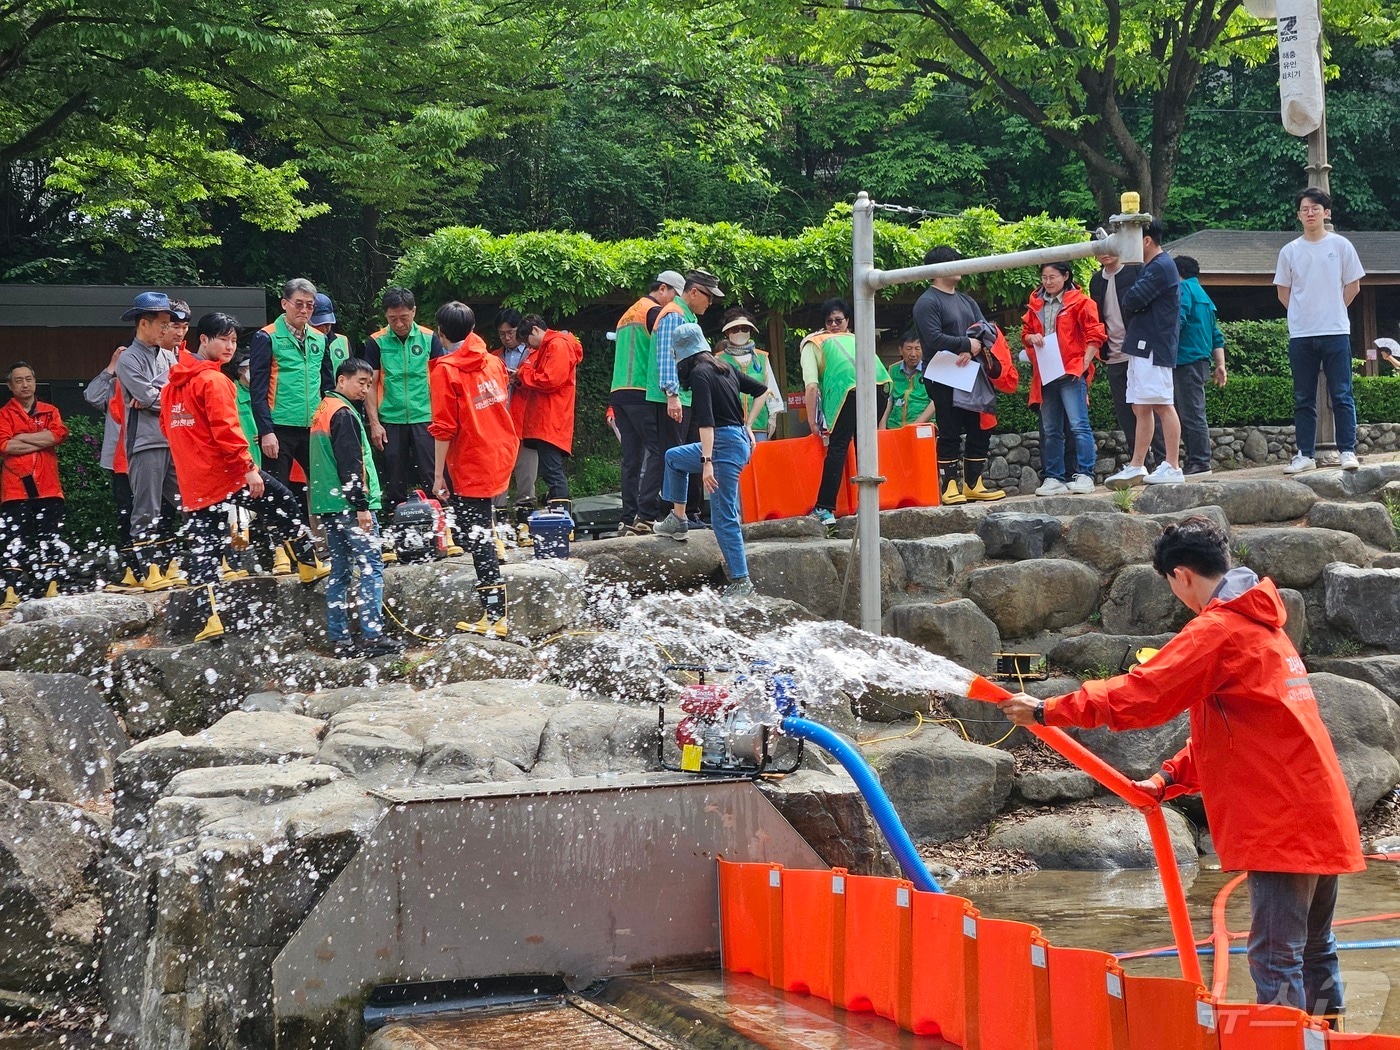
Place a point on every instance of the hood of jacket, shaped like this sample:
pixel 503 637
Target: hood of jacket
pixel 1242 591
pixel 186 368
pixel 469 356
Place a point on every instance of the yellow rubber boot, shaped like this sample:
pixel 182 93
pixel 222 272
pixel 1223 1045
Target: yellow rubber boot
pixel 493 620
pixel 129 578
pixel 281 562
pixel 11 600
pixel 978 491
pixel 227 572
pixel 452 548
pixel 213 627
pixel 52 590
pixel 155 580
pixel 175 574
pixel 315 569
pixel 953 494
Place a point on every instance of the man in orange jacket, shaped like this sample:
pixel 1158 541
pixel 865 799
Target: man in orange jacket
pixel 199 414
pixel 548 380
pixel 31 498
pixel 1258 755
pixel 474 447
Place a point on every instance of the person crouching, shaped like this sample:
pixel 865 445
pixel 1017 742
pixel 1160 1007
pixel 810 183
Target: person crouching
pixel 721 453
pixel 345 494
pixel 199 415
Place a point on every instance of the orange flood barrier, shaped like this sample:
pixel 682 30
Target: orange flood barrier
pixel 1168 1013
pixel 814 908
pixel 909 463
pixel 751 919
pixel 879 946
pixel 1013 986
pixel 1086 1000
pixel 1247 1026
pixel 944 988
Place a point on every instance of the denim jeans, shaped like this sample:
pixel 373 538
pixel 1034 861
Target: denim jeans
pixel 353 549
pixel 1292 950
pixel 1065 407
pixel 1332 354
pixel 731 453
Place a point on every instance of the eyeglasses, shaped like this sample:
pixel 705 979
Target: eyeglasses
pixel 835 320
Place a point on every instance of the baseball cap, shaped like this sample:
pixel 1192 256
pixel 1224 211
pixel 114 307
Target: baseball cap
pixel 671 278
pixel 323 311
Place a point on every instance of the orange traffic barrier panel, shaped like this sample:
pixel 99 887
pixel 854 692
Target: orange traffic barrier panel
pixel 879 947
pixel 1249 1026
pixel 909 463
pixel 814 903
pixel 782 478
pixel 1168 1013
pixel 1013 986
pixel 943 995
pixel 1087 1010
pixel 751 919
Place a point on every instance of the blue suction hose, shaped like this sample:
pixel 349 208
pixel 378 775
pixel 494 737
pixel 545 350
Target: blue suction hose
pixel 915 870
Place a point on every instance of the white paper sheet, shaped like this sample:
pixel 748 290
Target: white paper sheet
pixel 1048 361
pixel 944 368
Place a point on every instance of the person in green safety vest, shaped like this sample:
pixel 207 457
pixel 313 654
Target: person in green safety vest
pixel 738 328
pixel 909 400
pixel 345 494
pixel 400 410
pixel 829 376
pixel 323 320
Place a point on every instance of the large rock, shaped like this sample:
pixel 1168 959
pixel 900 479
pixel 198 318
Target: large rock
pixel 1090 837
pixel 1053 787
pixel 1365 603
pixel 49 853
pixel 931 564
pixel 1110 541
pixel 469 657
pixel 1018 536
pixel 942 786
pixel 1383 672
pixel 1368 521
pixel 58 740
pixel 586 739
pixel 1101 655
pixel 183 689
pixel 1031 596
pixel 126 614
pixel 892 577
pixel 913 523
pixel 58 644
pixel 260 606
pixel 1137 753
pixel 1067 506
pixel 655 564
pixel 798 572
pixel 803 527
pixel 1365 727
pixel 830 813
pixel 1295 610
pixel 543 597
pixel 958 630
pixel 615 664
pixel 1245 502
pixel 1351 484
pixel 1296 557
pixel 1140 602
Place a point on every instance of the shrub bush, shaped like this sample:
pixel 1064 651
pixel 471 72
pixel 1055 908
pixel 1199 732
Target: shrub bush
pixel 1256 348
pixel 90 516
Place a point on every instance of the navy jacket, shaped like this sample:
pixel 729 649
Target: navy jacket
pixel 1152 308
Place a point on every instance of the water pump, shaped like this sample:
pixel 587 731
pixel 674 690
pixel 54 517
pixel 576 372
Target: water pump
pixel 731 729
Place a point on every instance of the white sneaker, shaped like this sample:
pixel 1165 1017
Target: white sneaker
pixel 1300 463
pixel 1350 462
pixel 1052 487
pixel 1126 478
pixel 1165 474
pixel 1081 484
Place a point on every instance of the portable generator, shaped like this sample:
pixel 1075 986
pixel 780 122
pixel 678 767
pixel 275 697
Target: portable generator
pixel 420 528
pixel 732 728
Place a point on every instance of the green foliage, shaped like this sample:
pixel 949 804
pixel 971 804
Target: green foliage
pixel 1256 348
pixel 561 272
pixel 89 514
pixel 1392 505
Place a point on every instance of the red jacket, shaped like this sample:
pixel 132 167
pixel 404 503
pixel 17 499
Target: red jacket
pixel 1077 325
pixel 116 408
pixel 1258 753
pixel 469 389
pixel 35 474
pixel 199 414
pixel 548 381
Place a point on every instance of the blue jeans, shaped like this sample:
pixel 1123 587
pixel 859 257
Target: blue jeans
pixel 353 550
pixel 1065 406
pixel 1332 354
pixel 731 454
pixel 1292 950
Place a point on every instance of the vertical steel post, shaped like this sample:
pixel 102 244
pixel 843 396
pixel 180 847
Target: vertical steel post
pixel 867 450
pixel 1320 175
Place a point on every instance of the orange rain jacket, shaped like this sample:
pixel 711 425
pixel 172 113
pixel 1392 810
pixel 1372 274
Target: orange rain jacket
pixel 1077 325
pixel 548 381
pixel 36 469
pixel 468 388
pixel 199 414
pixel 1258 753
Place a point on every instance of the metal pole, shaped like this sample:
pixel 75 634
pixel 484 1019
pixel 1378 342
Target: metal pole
pixel 867 447
pixel 1319 175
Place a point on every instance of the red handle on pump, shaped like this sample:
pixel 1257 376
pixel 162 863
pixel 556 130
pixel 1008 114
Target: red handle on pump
pixel 986 690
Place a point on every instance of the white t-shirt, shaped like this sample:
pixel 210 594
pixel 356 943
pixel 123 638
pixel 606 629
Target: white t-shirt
pixel 1315 272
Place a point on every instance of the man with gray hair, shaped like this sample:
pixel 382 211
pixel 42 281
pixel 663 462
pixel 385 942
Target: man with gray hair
pixel 289 368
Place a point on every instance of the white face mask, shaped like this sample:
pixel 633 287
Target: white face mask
pixel 739 337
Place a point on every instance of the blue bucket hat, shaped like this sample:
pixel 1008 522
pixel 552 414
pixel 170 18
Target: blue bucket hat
pixel 148 303
pixel 324 311
pixel 689 340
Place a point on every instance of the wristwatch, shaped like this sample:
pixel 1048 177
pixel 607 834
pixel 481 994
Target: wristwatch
pixel 1040 712
pixel 706 459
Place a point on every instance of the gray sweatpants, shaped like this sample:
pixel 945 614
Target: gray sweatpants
pixel 527 471
pixel 152 476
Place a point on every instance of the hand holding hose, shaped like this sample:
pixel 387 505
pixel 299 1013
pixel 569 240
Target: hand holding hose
pixel 1020 709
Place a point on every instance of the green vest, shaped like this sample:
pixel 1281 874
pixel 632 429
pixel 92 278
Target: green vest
pixel 403 375
pixel 248 424
pixel 634 353
pixel 756 369
pixel 654 392
pixel 836 355
pixel 908 397
pixel 339 349
pixel 295 386
pixel 325 474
